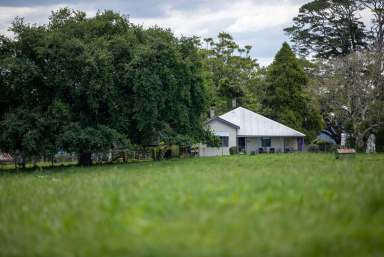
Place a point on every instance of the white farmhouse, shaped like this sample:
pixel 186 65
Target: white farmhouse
pixel 251 133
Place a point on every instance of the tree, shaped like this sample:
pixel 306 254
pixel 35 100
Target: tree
pixel 86 85
pixel 285 99
pixel 350 57
pixel 229 74
pixel 346 88
pixel 329 28
pixel 376 7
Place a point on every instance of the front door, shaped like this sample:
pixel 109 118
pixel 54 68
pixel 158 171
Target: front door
pixel 241 144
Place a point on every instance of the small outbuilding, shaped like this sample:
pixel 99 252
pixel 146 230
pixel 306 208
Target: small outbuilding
pixel 251 133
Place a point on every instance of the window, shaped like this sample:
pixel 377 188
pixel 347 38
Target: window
pixel 266 142
pixel 224 141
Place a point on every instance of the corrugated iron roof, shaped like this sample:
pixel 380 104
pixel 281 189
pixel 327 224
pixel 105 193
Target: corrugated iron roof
pixel 253 124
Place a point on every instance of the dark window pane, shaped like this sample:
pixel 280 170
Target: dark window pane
pixel 266 142
pixel 224 141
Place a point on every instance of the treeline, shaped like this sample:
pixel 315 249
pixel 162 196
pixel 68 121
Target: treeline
pixel 347 73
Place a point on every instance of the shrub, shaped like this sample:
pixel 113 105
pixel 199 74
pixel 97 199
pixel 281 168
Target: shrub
pixel 165 152
pixel 313 148
pixel 233 150
pixel 175 151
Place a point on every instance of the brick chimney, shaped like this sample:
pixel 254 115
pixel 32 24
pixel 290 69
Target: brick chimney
pixel 211 113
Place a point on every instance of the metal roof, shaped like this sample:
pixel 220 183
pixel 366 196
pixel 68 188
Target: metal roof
pixel 253 124
pixel 224 121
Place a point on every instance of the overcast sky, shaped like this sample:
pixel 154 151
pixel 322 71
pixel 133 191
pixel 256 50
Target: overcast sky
pixel 258 23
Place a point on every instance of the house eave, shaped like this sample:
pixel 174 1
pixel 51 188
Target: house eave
pixel 223 121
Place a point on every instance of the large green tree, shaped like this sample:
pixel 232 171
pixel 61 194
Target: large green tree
pixel 286 99
pixel 231 74
pixel 86 85
pixel 349 97
pixel 329 28
pixel 333 31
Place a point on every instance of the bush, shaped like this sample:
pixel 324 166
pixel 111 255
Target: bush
pixel 165 152
pixel 233 150
pixel 313 148
pixel 156 153
pixel 175 151
pixel 326 147
pixel 321 146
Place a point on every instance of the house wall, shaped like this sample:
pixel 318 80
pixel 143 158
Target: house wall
pixel 205 151
pixel 254 143
pixel 219 127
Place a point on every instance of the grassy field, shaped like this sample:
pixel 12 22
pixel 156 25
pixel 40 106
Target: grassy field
pixel 264 205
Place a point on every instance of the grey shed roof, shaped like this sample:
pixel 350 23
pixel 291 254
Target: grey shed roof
pixel 253 124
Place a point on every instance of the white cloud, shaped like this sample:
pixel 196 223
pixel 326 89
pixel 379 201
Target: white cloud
pixel 241 16
pixel 252 17
pixel 265 61
pixel 187 23
pixel 254 22
pixel 36 14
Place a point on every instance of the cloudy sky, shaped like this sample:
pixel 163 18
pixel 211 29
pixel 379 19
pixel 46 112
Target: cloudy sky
pixel 258 23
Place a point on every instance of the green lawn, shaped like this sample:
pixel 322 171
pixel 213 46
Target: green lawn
pixel 265 205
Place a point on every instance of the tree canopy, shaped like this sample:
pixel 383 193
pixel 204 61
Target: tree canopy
pixel 286 99
pixel 85 85
pixel 231 74
pixel 329 28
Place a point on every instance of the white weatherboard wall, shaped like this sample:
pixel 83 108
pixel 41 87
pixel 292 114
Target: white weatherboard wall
pixel 219 128
pixel 205 151
pixel 254 143
pixel 277 142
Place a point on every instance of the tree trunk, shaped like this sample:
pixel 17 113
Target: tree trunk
pixel 85 159
pixel 359 142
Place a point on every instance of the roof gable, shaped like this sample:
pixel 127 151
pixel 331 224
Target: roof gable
pixel 253 124
pixel 218 118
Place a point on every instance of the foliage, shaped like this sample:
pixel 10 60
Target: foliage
pixel 164 151
pixel 345 87
pixel 349 81
pixel 210 139
pixel 231 74
pixel 87 84
pixel 233 150
pixel 322 146
pixel 263 205
pixel 313 148
pixel 285 99
pixel 329 28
